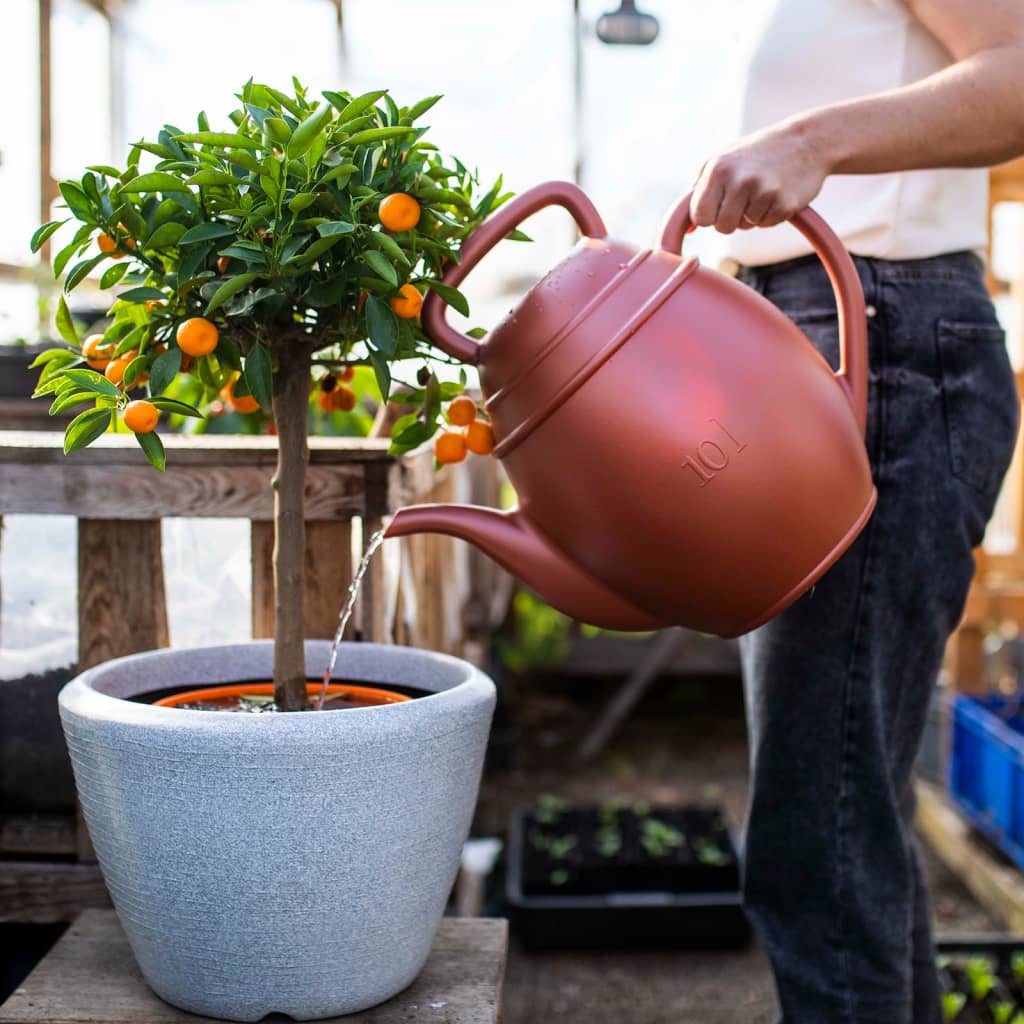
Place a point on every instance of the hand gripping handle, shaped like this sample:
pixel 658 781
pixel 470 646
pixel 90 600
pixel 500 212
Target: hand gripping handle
pixel 853 325
pixel 480 242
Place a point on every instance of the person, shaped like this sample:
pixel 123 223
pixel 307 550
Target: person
pixel 883 114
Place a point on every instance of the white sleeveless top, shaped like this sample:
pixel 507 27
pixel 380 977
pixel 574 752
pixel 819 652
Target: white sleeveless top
pixel 814 52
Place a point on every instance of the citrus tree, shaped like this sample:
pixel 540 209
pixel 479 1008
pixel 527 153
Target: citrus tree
pixel 259 266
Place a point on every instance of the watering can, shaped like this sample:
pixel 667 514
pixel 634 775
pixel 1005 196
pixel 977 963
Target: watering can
pixel 682 454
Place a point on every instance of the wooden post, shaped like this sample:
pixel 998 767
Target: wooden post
pixel 327 576
pixel 122 607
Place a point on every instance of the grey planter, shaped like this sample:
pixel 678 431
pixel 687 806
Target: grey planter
pixel 293 863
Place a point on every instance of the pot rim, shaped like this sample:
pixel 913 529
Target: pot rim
pixel 81 696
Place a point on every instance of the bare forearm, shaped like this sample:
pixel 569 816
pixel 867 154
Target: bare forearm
pixel 968 115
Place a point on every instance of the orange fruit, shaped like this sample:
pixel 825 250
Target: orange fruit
pixel 223 262
pixel 108 244
pixel 97 355
pixel 326 401
pixel 399 212
pixel 151 304
pixel 197 336
pixel 140 417
pixel 344 398
pixel 480 437
pixel 408 303
pixel 240 403
pixel 116 367
pixel 450 447
pixel 347 373
pixel 462 411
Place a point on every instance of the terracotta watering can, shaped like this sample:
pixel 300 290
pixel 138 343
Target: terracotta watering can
pixel 682 454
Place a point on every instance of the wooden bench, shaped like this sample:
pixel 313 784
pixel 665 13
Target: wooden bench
pixel 90 977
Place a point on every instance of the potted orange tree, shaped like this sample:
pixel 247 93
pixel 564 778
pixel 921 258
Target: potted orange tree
pixel 294 863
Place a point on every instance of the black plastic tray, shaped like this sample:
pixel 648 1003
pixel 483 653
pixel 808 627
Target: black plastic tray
pixel 618 920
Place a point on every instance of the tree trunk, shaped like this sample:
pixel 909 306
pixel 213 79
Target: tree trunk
pixel 291 398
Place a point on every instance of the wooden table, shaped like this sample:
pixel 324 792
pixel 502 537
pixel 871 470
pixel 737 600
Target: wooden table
pixel 90 977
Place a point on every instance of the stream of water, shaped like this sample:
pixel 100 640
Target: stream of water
pixel 346 612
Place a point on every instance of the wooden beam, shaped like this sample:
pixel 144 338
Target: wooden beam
pixel 996 885
pixel 34 892
pixel 206 476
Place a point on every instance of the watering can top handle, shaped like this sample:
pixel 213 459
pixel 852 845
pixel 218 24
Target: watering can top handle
pixel 493 230
pixel 853 331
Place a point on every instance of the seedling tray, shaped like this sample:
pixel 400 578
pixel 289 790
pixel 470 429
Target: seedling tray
pixel 982 978
pixel 671 880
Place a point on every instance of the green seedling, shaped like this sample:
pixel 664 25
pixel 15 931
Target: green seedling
pixel 952 1004
pixel 641 808
pixel 608 812
pixel 559 877
pixel 658 838
pixel 609 841
pixel 1002 1013
pixel 979 977
pixel 710 853
pixel 561 846
pixel 550 808
pixel 1017 964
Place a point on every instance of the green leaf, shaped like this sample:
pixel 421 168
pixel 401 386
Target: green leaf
pixel 334 227
pixel 53 355
pixel 318 248
pixel 80 270
pixel 379 264
pixel 210 176
pixel 77 202
pixel 383 327
pixel 382 372
pixel 85 428
pixel 154 448
pixel 303 136
pixel 110 172
pixel 113 274
pixel 349 109
pixel 92 381
pixel 164 369
pixel 230 287
pixel 419 109
pixel 70 397
pixel 65 324
pixel 141 294
pixel 258 376
pixel 451 295
pixel 155 181
pixel 165 236
pixel 60 261
pixel 43 233
pixel 387 244
pixel 335 173
pixel 301 202
pixel 204 232
pixel 175 406
pixel 218 139
pixel 377 135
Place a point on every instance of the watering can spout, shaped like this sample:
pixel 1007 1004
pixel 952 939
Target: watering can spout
pixel 522 550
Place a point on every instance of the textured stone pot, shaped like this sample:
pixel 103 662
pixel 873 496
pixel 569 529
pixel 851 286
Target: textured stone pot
pixel 294 863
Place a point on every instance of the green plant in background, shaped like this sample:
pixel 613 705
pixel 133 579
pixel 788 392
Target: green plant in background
pixel 979 977
pixel 659 838
pixel 299 241
pixel 549 808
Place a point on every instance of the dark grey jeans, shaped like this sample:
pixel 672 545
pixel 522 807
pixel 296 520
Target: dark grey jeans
pixel 838 685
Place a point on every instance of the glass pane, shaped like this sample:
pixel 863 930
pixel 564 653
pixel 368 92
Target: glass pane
pixel 19 143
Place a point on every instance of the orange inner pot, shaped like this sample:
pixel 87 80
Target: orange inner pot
pixel 360 696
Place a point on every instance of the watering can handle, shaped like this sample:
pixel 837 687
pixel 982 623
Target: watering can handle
pixel 853 325
pixel 480 242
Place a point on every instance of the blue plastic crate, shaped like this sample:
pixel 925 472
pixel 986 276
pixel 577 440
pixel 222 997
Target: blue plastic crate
pixel 986 770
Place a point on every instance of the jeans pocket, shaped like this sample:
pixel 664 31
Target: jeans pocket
pixel 980 403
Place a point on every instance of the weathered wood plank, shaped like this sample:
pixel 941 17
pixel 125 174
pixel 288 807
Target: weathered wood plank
pixel 37 835
pixel 37 892
pixel 327 576
pixel 90 977
pixel 205 476
pixel 996 886
pixel 121 601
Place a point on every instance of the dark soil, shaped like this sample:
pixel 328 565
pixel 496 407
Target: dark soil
pixel 618 848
